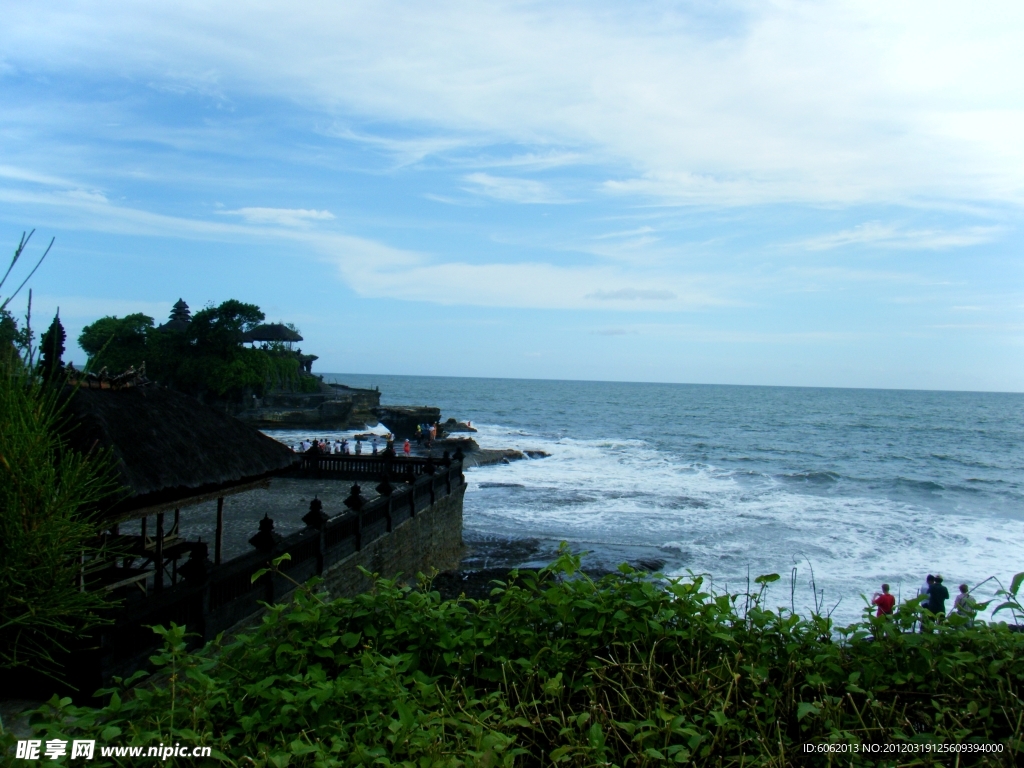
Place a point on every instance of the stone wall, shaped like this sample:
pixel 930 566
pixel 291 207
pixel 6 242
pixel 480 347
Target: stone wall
pixel 431 539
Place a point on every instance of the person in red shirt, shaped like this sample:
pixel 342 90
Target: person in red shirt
pixel 884 601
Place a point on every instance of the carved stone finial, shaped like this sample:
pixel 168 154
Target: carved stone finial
pixel 266 539
pixel 355 501
pixel 316 517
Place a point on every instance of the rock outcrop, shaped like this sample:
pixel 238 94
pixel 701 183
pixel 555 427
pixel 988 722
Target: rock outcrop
pixel 401 420
pixel 452 425
pixel 335 406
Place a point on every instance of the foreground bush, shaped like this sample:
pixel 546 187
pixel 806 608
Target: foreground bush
pixel 560 670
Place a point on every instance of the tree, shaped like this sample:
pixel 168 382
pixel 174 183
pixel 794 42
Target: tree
pixel 116 343
pixel 51 350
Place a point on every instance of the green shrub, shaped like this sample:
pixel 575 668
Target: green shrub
pixel 560 670
pixel 48 499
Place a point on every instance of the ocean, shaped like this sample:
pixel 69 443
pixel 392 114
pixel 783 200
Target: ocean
pixel 840 488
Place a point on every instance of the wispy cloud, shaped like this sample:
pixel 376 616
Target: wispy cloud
pixel 24 174
pixel 632 294
pixel 614 332
pixel 877 234
pixel 512 190
pixel 285 217
pixel 406 151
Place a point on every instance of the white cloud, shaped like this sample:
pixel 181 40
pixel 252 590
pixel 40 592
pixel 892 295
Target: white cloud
pixel 892 236
pixel 521 285
pixel 512 190
pixel 24 174
pixel 285 217
pixel 822 102
pixel 632 294
pixel 615 332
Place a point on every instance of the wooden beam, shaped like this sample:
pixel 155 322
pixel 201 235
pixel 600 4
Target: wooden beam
pixel 158 559
pixel 219 541
pixel 190 501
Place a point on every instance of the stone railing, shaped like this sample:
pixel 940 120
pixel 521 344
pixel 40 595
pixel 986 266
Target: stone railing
pixel 370 467
pixel 213 598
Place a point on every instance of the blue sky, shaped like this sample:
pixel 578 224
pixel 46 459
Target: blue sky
pixel 820 194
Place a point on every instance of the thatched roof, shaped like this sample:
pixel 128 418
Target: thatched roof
pixel 271 332
pixel 169 446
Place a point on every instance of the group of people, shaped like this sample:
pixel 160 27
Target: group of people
pixel 932 596
pixel 338 446
pixel 427 433
pixel 343 446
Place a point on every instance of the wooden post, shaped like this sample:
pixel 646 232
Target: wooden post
pixel 177 517
pixel 158 560
pixel 219 539
pixel 144 533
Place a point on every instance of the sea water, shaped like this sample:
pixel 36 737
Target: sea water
pixel 840 488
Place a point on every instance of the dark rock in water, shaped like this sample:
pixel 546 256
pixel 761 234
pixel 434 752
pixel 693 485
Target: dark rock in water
pixel 402 420
pixel 649 565
pixel 457 426
pixel 467 444
pixel 487 456
pixel 537 454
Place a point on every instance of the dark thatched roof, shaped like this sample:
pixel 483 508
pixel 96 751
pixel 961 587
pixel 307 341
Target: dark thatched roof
pixel 169 446
pixel 271 332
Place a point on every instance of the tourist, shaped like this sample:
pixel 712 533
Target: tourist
pixel 375 446
pixel 965 605
pixel 925 589
pixel 937 597
pixel 884 601
pixel 359 446
pixel 344 446
pixel 407 449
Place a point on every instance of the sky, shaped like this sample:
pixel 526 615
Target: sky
pixel 777 193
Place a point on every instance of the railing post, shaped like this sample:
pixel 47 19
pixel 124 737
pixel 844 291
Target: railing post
pixel 355 502
pixel 430 470
pixel 266 540
pixel 385 489
pixel 317 520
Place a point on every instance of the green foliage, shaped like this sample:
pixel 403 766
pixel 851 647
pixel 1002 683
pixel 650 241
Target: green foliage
pixel 116 343
pixel 1012 601
pixel 208 359
pixel 558 669
pixel 48 495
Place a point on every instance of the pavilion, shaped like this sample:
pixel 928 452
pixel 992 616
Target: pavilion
pixel 171 451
